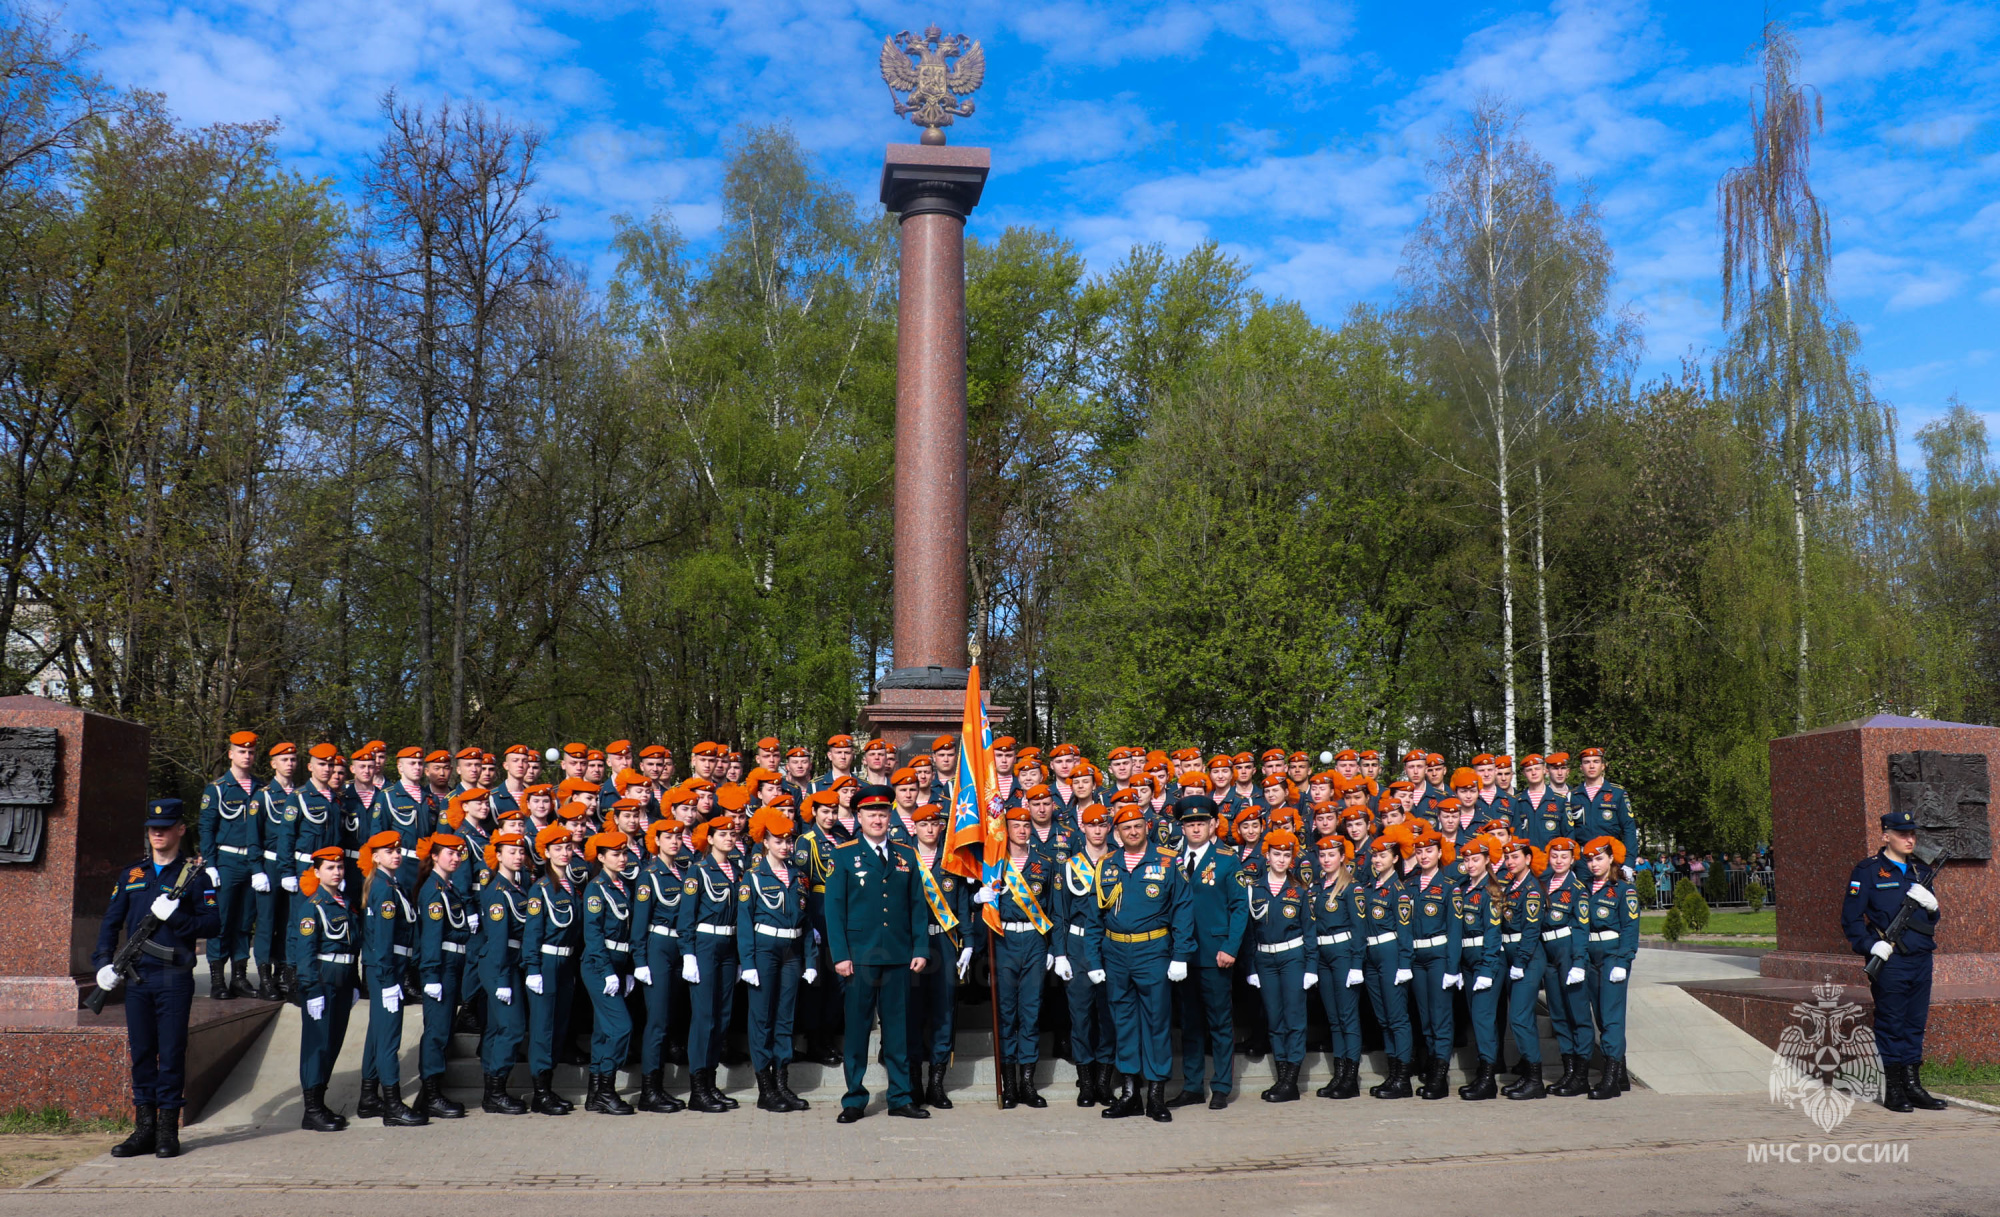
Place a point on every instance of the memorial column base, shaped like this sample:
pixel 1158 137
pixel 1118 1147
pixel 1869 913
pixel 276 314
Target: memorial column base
pixel 909 719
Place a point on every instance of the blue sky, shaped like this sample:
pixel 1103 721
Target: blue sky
pixel 1294 133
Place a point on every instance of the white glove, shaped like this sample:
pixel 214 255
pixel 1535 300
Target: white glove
pixel 986 895
pixel 1048 962
pixel 215 876
pixel 1882 949
pixel 816 940
pixel 316 1008
pixel 164 906
pixel 1481 983
pixel 964 961
pixel 690 970
pixel 1617 976
pixel 644 975
pixel 1628 872
pixel 1516 974
pixel 392 998
pixel 1403 976
pixel 1063 970
pixel 1256 982
pixel 1096 977
pixel 506 995
pixel 1574 976
pixel 630 983
pixel 1177 970
pixel 1312 978
pixel 434 992
pixel 260 882
pixel 290 883
pixel 1354 977
pixel 811 976
pixel 1922 895
pixel 108 978
pixel 611 985
pixel 749 977
pixel 535 984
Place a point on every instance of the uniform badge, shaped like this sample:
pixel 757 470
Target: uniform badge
pixel 1534 908
pixel 1457 905
pixel 1152 891
pixel 1378 912
pixel 947 882
pixel 306 927
pixel 743 893
pixel 389 909
pixel 436 911
pixel 1403 913
pixel 645 892
pixel 534 905
pixel 496 912
pixel 1430 908
pixel 689 887
pixel 137 873
pixel 1853 886
pixel 1291 911
pixel 1333 904
pixel 1035 888
pixel 1632 904
pixel 594 904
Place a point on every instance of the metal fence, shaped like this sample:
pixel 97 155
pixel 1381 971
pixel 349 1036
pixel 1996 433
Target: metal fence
pixel 1731 886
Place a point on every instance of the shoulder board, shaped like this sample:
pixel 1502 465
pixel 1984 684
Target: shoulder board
pixel 848 844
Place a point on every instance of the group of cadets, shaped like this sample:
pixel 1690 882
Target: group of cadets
pixel 524 905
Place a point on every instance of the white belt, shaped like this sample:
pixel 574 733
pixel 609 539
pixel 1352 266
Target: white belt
pixel 548 949
pixel 352 853
pixel 1604 935
pixel 725 931
pixel 408 852
pixel 935 930
pixel 231 849
pixel 1334 940
pixel 514 943
pixel 406 952
pixel 778 931
pixel 1561 933
pixel 1078 931
pixel 1477 940
pixel 1018 927
pixel 456 948
pixel 1435 941
pixel 1376 940
pixel 305 858
pixel 336 958
pixel 1510 938
pixel 1272 948
pixel 616 946
pixel 665 931
pixel 272 854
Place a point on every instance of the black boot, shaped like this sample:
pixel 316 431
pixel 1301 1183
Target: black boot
pixel 1625 1076
pixel 1086 1092
pixel 1010 1093
pixel 609 1101
pixel 497 1102
pixel 240 985
pixel 767 1091
pixel 1481 1086
pixel 316 1118
pixel 1530 1085
pixel 1397 1084
pixel 715 1092
pixel 1350 1080
pixel 369 1105
pixel 432 1102
pixel 1334 1075
pixel 1913 1087
pixel 1437 1079
pixel 1567 1086
pixel 653 1094
pixel 267 983
pixel 167 1133
pixel 1156 1103
pixel 1607 1082
pixel 1188 1097
pixel 702 1095
pixel 218 983
pixel 1126 1102
pixel 825 1050
pixel 1895 1096
pixel 546 1101
pixel 934 1095
pixel 395 1114
pixel 288 983
pixel 1030 1097
pixel 1286 1088
pixel 143 1140
pixel 1381 1088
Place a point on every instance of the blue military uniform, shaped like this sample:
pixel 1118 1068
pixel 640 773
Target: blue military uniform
pixel 1091 1033
pixel 445 935
pixel 411 817
pixel 326 952
pixel 1143 924
pixel 1521 944
pixel 656 923
pixel 1877 889
pixel 771 930
pixel 1544 822
pixel 232 842
pixel 1339 934
pixel 708 937
pixel 388 948
pixel 1481 956
pixel 1611 914
pixel 876 920
pixel 609 901
pixel 1215 883
pixel 1280 933
pixel 934 991
pixel 551 943
pixel 273 905
pixel 1022 958
pixel 1437 924
pixel 505 901
pixel 1563 918
pixel 313 822
pixel 1386 955
pixel 1608 813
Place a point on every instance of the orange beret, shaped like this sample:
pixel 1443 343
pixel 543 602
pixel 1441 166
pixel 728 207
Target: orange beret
pixel 943 742
pixel 549 835
pixel 1282 838
pixel 244 739
pixel 927 813
pixel 283 749
pixel 1462 777
pixel 1092 813
pixel 1613 844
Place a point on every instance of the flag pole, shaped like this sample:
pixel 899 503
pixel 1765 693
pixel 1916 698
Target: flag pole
pixel 992 947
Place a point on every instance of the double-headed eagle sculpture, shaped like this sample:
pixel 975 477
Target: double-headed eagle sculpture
pixel 937 91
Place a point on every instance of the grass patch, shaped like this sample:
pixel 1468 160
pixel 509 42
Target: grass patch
pixel 1963 1080
pixel 55 1122
pixel 1763 924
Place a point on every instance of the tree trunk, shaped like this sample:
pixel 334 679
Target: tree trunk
pixel 1795 471
pixel 1542 616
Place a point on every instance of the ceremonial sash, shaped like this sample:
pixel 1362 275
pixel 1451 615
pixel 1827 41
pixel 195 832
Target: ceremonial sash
pixel 940 911
pixel 1018 888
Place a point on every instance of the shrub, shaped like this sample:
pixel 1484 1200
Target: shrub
pixel 1688 902
pixel 1674 927
pixel 1757 895
pixel 1647 888
pixel 1715 886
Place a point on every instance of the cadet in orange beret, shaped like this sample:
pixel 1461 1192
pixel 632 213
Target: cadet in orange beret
pixel 1280 922
pixel 550 943
pixel 1521 940
pixel 324 952
pixel 656 951
pixel 273 901
pixel 232 844
pixel 608 931
pixel 1386 964
pixel 1339 913
pixel 388 951
pixel 447 920
pixel 707 923
pixel 1563 914
pixel 771 929
pixel 1611 917
pixel 1482 958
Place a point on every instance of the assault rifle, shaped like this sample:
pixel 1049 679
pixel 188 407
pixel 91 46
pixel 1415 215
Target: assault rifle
pixel 1932 856
pixel 140 940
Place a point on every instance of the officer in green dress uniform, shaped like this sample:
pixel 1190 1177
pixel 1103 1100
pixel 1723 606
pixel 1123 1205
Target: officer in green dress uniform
pixel 1611 919
pixel 505 901
pixel 1339 913
pixel 1482 959
pixel 232 843
pixel 1563 984
pixel 1521 941
pixel 1090 1033
pixel 608 930
pixel 1143 931
pixel 656 924
pixel 1280 927
pixel 877 927
pixel 1216 898
pixel 325 949
pixel 445 934
pixel 1022 956
pixel 934 991
pixel 388 948
pixel 550 944
pixel 1386 962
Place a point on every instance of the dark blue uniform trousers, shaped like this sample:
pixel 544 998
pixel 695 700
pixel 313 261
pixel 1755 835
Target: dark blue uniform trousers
pixel 1342 1003
pixel 663 956
pixel 1021 962
pixel 1521 1010
pixel 233 905
pixel 772 1003
pixel 1281 983
pixel 548 1014
pixel 712 999
pixel 1902 993
pixel 1391 1004
pixel 1569 1006
pixel 1433 1002
pixel 610 1024
pixel 384 1044
pixel 156 1024
pixel 320 1038
pixel 933 1005
pixel 506 1027
pixel 1141 1001
pixel 1208 1029
pixel 1091 1038
pixel 883 987
pixel 274 913
pixel 438 1016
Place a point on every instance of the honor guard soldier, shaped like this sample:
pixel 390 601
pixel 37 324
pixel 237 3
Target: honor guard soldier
pixel 505 899
pixel 388 948
pixel 1893 881
pixel 313 821
pixel 325 950
pixel 1601 808
pixel 1280 924
pixel 934 991
pixel 1612 919
pixel 1538 810
pixel 273 901
pixel 771 934
pixel 1569 1011
pixel 445 931
pixel 551 942
pixel 1090 1035
pixel 709 955
pixel 1339 917
pixel 877 930
pixel 1021 957
pixel 1481 957
pixel 1216 900
pixel 1143 932
pixel 407 810
pixel 656 926
pixel 232 842
pixel 1521 940
pixel 608 902
pixel 165 902
pixel 1437 920
pixel 1386 964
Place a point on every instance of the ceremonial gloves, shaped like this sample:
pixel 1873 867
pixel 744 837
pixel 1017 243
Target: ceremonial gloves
pixel 316 1008
pixel 1311 979
pixel 1516 974
pixel 1048 961
pixel 1454 980
pixel 611 985
pixel 214 876
pixel 164 906
pixel 1922 895
pixel 392 998
pixel 506 995
pixel 1617 976
pixel 290 883
pixel 644 975
pixel 1063 970
pixel 1096 977
pixel 690 970
pixel 964 962
pixel 108 978
pixel 810 976
pixel 260 882
pixel 1177 970
pixel 1882 949
pixel 1256 981
pixel 535 982
pixel 986 895
pixel 751 978
pixel 1354 977
pixel 1574 976
pixel 434 991
pixel 1403 976
pixel 1481 983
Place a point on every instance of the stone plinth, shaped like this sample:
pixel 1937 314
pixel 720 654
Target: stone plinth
pixel 909 719
pixel 1829 790
pixel 1964 1020
pixel 92 827
pixel 82 1063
